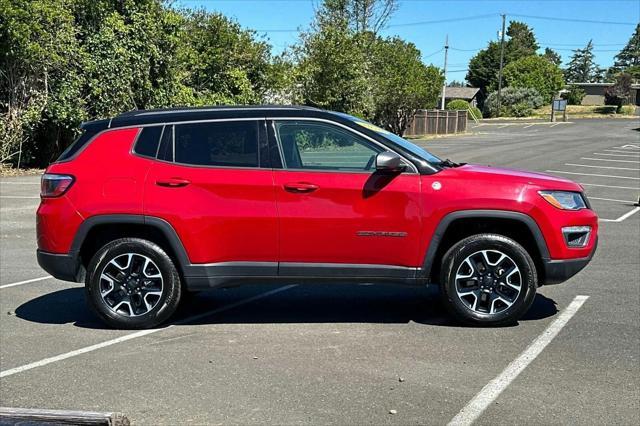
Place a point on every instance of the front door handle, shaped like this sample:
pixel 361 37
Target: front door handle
pixel 173 182
pixel 300 187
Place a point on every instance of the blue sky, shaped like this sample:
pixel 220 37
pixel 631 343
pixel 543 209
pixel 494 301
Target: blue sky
pixel 466 35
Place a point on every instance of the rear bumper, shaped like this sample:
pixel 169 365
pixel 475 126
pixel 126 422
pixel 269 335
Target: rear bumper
pixel 558 271
pixel 64 267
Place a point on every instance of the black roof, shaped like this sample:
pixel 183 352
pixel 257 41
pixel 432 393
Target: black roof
pixel 182 114
pixel 172 115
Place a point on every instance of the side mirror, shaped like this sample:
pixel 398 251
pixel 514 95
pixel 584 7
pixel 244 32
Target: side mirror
pixel 389 162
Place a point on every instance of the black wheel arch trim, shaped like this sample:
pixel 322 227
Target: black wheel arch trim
pixel 444 223
pixel 131 219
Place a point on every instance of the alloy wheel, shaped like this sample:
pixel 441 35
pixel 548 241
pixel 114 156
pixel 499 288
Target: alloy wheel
pixel 131 284
pixel 488 282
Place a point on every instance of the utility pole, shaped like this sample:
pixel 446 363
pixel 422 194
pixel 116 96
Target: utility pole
pixel 444 86
pixel 501 63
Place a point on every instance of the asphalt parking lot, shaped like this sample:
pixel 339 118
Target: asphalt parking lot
pixel 349 354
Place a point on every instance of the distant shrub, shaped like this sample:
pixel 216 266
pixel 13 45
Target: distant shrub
pixel 514 100
pixel 458 104
pixel 574 95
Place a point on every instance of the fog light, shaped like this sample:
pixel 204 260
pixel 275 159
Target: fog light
pixel 576 236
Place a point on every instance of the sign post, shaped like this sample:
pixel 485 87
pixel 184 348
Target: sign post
pixel 559 105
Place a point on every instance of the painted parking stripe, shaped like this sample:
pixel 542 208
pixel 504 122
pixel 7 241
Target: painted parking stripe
pixel 623 217
pixel 137 334
pixel 19 197
pixel 2 182
pixel 591 174
pixel 601 167
pixel 617 155
pixel 608 159
pixel 474 409
pixel 608 186
pixel 33 280
pixel 621 151
pixel 611 199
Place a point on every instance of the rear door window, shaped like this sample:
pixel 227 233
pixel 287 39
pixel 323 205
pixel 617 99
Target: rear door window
pixel 226 144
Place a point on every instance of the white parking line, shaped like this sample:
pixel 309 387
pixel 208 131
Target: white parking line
pixel 621 152
pixel 17 196
pixel 137 334
pixel 2 182
pixel 601 167
pixel 494 388
pixel 590 174
pixel 611 199
pixel 607 159
pixel 608 186
pixel 617 155
pixel 33 280
pixel 623 217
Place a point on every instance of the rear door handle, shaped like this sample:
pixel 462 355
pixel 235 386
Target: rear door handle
pixel 300 187
pixel 173 182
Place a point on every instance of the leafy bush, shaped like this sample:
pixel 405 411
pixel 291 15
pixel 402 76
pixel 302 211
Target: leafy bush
pixel 619 93
pixel 521 109
pixel 574 95
pixel 512 96
pixel 537 73
pixel 458 104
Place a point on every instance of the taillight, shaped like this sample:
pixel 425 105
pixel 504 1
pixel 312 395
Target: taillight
pixel 53 185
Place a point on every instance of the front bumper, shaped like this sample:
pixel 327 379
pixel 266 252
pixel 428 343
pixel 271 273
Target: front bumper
pixel 558 271
pixel 64 267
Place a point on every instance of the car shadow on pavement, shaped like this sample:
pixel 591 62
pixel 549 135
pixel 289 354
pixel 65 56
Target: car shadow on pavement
pixel 301 304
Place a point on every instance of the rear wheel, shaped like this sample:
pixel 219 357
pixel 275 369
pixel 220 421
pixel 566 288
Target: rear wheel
pixel 132 283
pixel 488 279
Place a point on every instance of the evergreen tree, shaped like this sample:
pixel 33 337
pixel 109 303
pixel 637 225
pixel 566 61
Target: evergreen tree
pixel 582 67
pixel 552 56
pixel 628 60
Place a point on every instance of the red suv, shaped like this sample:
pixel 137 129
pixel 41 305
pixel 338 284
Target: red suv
pixel 152 204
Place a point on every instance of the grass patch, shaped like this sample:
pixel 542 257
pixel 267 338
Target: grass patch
pixel 587 111
pixel 8 171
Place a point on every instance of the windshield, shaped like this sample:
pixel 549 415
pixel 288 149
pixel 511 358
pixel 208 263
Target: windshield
pixel 414 149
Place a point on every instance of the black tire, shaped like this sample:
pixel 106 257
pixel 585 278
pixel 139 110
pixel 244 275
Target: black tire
pixel 458 305
pixel 164 304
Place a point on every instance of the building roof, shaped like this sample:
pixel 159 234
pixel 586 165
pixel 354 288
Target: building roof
pixel 633 85
pixel 461 92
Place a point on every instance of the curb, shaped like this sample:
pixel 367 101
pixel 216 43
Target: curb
pixel 16 416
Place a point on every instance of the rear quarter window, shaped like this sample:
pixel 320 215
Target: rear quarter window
pixel 148 140
pixel 77 145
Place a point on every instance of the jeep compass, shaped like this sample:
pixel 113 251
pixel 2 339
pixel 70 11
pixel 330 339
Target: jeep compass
pixel 149 205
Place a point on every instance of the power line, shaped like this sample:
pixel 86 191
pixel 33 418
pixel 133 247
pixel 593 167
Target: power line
pixel 584 21
pixel 440 21
pixel 434 53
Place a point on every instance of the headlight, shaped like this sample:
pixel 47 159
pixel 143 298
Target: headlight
pixel 564 200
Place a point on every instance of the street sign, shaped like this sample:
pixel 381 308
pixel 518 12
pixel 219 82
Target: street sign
pixel 559 104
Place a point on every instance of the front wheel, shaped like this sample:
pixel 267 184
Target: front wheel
pixel 132 283
pixel 488 279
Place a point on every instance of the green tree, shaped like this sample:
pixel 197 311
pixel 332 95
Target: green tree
pixel 521 42
pixel 574 95
pixel 484 66
pixel 582 67
pixel 629 56
pixel 37 48
pixel 628 59
pixel 535 72
pixel 552 56
pixel 219 62
pixel 402 83
pixel 620 92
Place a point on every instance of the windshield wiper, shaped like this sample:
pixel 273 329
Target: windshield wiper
pixel 449 163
